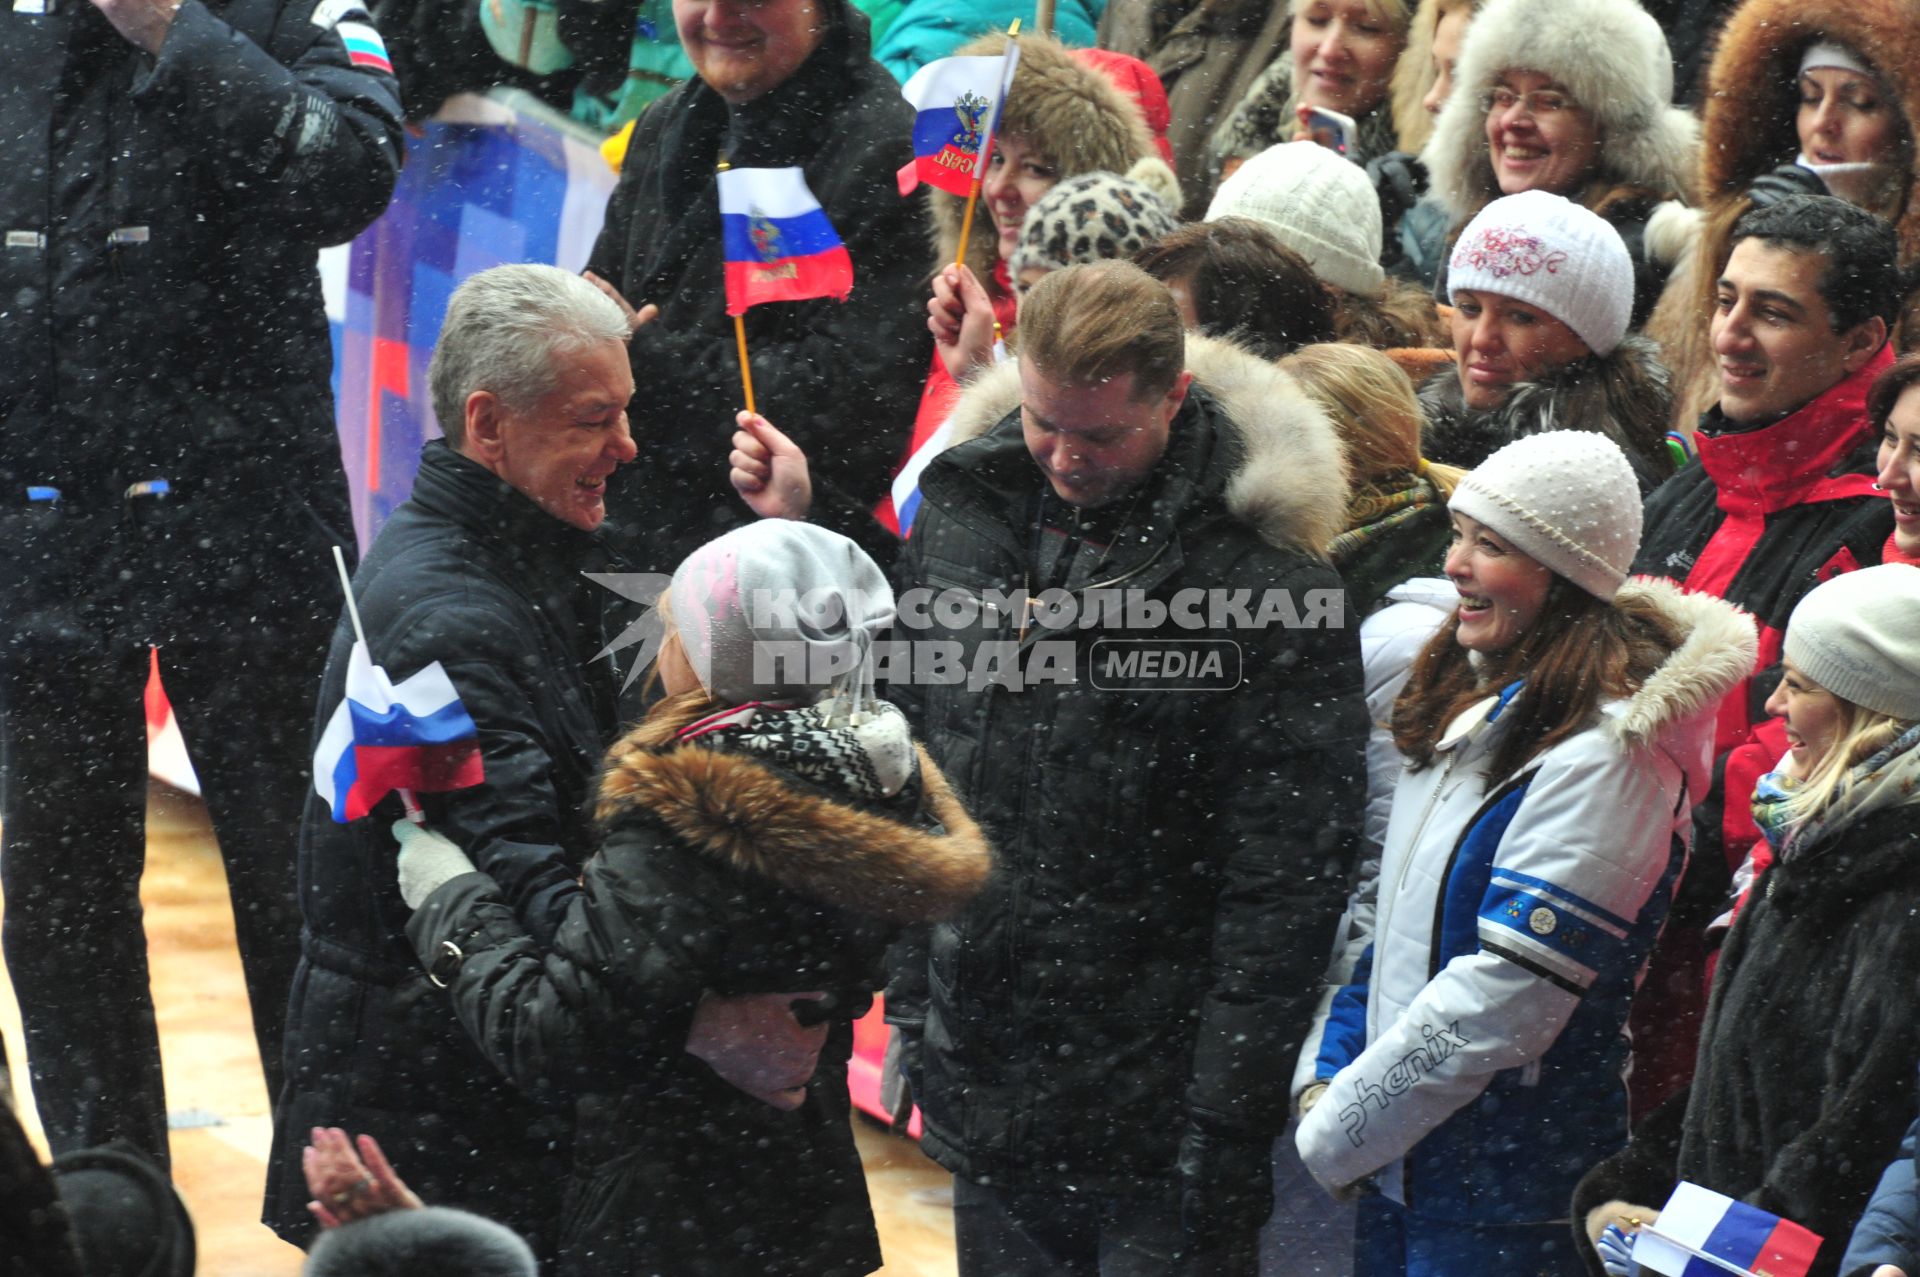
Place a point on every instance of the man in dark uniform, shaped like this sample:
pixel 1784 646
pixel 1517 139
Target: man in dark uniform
pixel 169 476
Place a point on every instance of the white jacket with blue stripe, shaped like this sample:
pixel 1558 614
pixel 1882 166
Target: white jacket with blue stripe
pixel 1474 1058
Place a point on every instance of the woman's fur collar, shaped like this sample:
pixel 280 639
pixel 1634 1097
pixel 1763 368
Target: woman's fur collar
pixel 1078 119
pixel 1625 395
pixel 1718 647
pixel 739 811
pixel 1600 51
pixel 1290 485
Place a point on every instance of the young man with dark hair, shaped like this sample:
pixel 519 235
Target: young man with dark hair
pixel 1782 499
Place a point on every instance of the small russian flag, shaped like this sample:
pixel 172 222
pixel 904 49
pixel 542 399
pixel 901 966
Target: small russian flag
pixel 957 106
pixel 365 48
pixel 906 484
pixel 780 247
pixel 416 735
pixel 1700 1233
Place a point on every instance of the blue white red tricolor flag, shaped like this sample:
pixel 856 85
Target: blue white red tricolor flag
pixel 780 247
pixel 1703 1234
pixel 415 735
pixel 906 484
pixel 956 104
pixel 365 48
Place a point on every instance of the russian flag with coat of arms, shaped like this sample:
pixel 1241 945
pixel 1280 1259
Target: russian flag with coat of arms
pixel 1701 1233
pixel 779 245
pixel 956 104
pixel 414 735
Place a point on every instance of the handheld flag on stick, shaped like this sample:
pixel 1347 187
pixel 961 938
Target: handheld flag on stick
pixel 779 247
pixel 953 113
pixel 980 164
pixel 415 735
pixel 1703 1234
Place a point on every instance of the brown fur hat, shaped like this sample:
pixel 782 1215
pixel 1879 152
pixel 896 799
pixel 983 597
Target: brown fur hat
pixel 1076 118
pixel 1751 99
pixel 737 810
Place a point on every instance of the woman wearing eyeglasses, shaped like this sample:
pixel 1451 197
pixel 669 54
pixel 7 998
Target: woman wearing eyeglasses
pixel 1570 97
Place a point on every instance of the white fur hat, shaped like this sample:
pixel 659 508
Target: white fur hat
pixel 779 611
pixel 1320 205
pixel 1549 252
pixel 1567 499
pixel 1612 59
pixel 1858 636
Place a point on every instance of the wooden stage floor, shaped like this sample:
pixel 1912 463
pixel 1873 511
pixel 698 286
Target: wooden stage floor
pixel 219 1105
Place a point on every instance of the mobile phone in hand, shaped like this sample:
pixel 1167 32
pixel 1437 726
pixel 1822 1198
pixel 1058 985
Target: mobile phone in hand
pixel 1330 128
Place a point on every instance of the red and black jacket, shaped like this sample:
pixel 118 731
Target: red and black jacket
pixel 1767 515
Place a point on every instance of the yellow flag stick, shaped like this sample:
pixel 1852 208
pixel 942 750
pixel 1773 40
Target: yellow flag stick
pixel 746 370
pixel 973 192
pixel 740 338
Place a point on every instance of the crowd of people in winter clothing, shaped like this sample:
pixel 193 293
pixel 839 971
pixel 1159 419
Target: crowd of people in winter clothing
pixel 1341 647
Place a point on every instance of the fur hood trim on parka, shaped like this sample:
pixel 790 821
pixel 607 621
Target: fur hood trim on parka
pixel 1075 117
pixel 1752 101
pixel 739 811
pixel 1611 57
pixel 1625 395
pixel 1291 482
pixel 1718 647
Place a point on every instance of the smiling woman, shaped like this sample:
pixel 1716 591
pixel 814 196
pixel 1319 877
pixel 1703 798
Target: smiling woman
pixel 1572 97
pixel 1341 57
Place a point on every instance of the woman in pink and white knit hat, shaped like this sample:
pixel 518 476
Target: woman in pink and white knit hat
pixel 1542 291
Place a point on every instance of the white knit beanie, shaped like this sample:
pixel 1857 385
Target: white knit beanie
pixel 1320 205
pixel 780 611
pixel 1549 252
pixel 1567 499
pixel 1858 636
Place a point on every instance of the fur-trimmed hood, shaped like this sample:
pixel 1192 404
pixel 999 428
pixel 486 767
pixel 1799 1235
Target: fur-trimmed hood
pixel 1612 59
pixel 1290 485
pixel 1752 100
pixel 1624 395
pixel 1077 118
pixel 1718 646
pixel 738 810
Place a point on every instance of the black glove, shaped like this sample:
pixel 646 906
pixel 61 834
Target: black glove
pixel 1399 180
pixel 1226 1178
pixel 1788 179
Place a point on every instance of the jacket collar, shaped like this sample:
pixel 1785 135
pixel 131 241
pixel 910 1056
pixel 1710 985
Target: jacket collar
pixel 1756 472
pixel 469 495
pixel 1276 464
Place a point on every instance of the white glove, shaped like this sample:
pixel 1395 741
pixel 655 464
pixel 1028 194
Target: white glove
pixel 427 860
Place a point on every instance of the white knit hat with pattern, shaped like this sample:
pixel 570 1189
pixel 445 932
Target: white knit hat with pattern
pixel 1549 252
pixel 1858 636
pixel 1320 205
pixel 1567 499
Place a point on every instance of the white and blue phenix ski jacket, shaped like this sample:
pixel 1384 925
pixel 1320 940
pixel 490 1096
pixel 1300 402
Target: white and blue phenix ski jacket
pixel 1474 1058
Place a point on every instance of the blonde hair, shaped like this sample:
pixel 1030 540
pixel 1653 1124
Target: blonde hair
pixel 1864 733
pixel 670 638
pixel 1089 323
pixel 1374 408
pixel 1413 75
